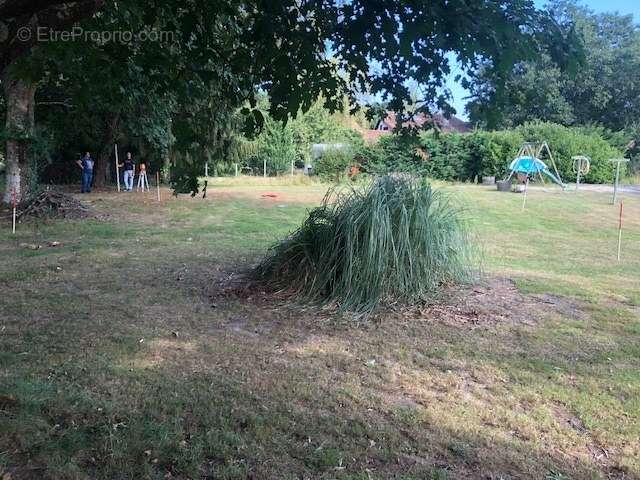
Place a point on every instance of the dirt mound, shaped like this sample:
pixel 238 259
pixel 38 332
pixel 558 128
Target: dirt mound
pixel 492 301
pixel 56 204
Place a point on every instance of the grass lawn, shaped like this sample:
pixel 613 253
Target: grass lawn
pixel 123 356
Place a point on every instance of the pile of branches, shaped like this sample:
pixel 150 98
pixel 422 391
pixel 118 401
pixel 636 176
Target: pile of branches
pixel 55 204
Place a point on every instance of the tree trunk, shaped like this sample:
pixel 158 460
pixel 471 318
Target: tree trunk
pixel 165 170
pixel 20 122
pixel 102 172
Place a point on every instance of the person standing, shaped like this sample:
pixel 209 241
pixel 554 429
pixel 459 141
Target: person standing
pixel 128 165
pixel 86 164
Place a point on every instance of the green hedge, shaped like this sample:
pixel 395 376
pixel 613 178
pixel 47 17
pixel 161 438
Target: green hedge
pixel 333 165
pixel 464 157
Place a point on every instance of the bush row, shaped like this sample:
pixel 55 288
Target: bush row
pixel 464 157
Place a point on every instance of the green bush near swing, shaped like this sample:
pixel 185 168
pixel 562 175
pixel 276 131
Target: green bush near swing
pixel 467 156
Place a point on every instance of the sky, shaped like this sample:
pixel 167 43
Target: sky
pixel 600 6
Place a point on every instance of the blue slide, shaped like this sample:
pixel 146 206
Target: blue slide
pixel 531 166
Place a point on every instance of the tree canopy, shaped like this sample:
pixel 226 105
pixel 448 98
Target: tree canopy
pixel 219 56
pixel 605 90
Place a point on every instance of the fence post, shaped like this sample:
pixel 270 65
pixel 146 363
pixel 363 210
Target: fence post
pixel 264 168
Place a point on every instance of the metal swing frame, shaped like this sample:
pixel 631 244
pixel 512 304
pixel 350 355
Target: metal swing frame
pixel 535 151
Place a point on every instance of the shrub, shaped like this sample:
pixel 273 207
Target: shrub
pixel 568 142
pixel 453 156
pixel 275 145
pixel 396 240
pixel 393 153
pixel 633 151
pixel 492 152
pixel 333 164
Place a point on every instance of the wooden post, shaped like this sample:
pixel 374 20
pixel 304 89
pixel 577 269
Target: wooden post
pixel 14 198
pixel 117 167
pixel 236 165
pixel 292 165
pixel 206 169
pixel 615 186
pixel 158 184
pixel 264 167
pixel 526 187
pixel 620 229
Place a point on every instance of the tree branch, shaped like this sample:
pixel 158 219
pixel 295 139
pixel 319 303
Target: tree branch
pixel 22 18
pixel 63 103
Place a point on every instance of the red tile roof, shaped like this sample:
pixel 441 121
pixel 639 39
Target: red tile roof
pixel 451 124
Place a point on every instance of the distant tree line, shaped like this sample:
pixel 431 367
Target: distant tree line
pixel 183 98
pixel 604 90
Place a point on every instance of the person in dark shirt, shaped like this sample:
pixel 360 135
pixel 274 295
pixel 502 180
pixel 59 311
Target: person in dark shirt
pixel 128 165
pixel 86 164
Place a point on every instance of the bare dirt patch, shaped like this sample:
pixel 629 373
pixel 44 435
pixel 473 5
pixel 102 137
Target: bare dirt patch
pixel 496 300
pixel 592 449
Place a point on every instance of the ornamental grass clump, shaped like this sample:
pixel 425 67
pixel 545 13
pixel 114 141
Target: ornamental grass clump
pixel 395 241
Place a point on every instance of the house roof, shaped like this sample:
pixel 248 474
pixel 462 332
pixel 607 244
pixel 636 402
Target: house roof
pixel 372 136
pixel 451 124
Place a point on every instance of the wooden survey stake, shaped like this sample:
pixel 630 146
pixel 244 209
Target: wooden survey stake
pixel 620 228
pixel 526 188
pixel 117 167
pixel 14 203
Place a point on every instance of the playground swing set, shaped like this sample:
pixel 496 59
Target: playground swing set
pixel 528 165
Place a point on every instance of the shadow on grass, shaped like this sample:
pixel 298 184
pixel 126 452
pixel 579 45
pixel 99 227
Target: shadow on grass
pixel 269 392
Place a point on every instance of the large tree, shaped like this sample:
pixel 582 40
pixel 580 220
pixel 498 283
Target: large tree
pixel 298 50
pixel 20 21
pixel 604 90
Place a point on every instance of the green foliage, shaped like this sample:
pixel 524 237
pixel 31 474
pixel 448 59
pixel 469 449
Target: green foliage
pixel 567 142
pixel 491 152
pixel 394 153
pixel 180 91
pixel 334 164
pixel 395 241
pixel 184 177
pixel 319 125
pixel 555 475
pixel 603 90
pixel 633 151
pixel 280 143
pixel 275 145
pixel 465 157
